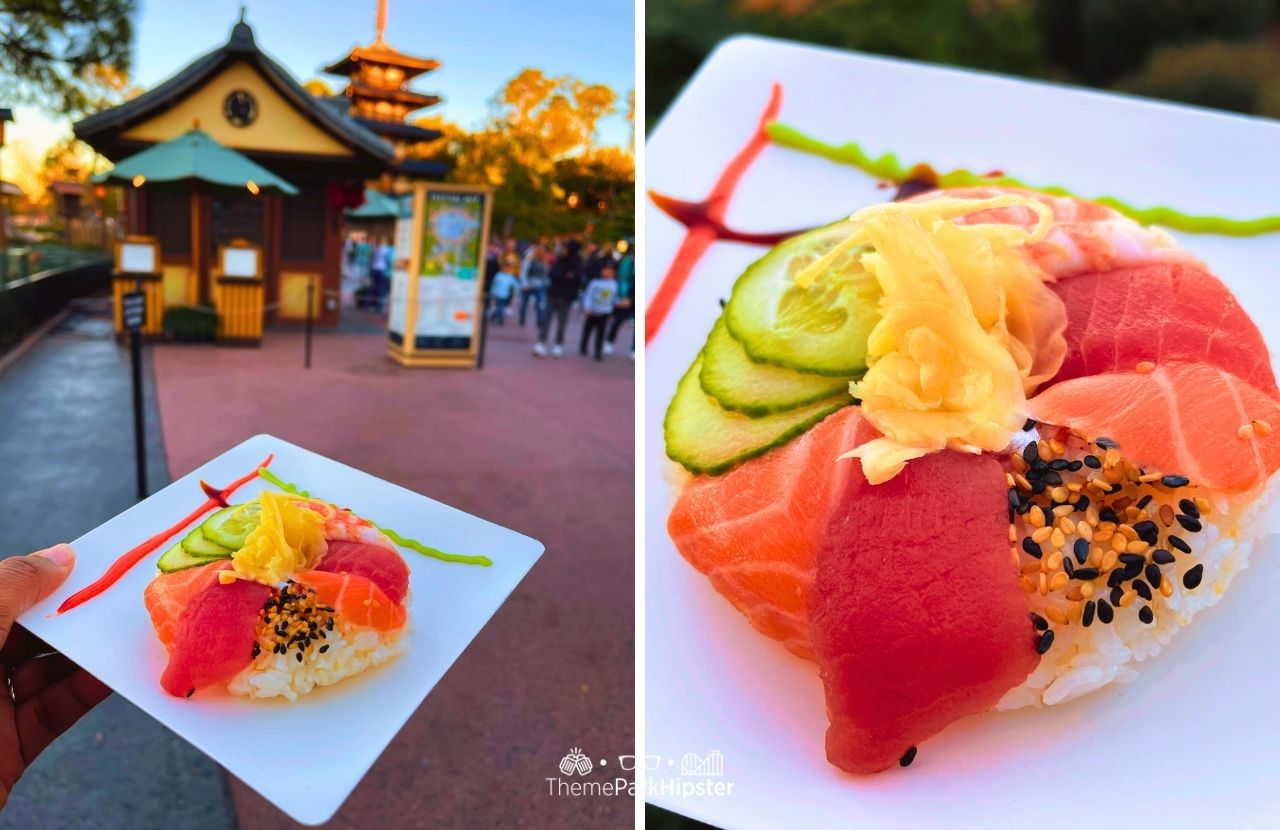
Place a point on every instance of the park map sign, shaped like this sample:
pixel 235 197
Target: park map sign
pixel 437 287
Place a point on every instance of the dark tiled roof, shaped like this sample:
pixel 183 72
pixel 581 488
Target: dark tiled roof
pixel 399 129
pixel 419 167
pixel 241 46
pixel 383 54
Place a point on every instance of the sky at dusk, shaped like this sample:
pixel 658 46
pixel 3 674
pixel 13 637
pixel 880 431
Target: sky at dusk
pixel 480 44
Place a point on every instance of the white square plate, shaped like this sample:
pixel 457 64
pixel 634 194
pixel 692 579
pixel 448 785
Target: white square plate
pixel 304 757
pixel 1191 743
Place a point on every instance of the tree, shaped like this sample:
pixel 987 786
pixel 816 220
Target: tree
pixel 538 151
pixel 69 55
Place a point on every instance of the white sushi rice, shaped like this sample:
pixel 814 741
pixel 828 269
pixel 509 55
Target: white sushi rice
pixel 1083 660
pixel 351 650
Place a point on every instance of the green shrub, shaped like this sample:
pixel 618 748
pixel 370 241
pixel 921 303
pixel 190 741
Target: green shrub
pixel 1241 77
pixel 189 324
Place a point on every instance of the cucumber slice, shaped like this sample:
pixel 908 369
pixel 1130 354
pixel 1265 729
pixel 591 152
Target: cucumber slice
pixel 742 385
pixel 177 558
pixel 195 544
pixel 230 526
pixel 705 438
pixel 821 329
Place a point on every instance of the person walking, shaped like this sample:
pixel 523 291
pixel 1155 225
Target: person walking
pixel 598 300
pixel 533 283
pixel 565 283
pixel 380 272
pixel 625 308
pixel 504 288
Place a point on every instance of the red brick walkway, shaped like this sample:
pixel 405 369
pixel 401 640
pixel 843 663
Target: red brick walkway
pixel 545 447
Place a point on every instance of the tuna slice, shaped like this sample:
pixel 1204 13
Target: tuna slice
pixel 1118 319
pixel 168 595
pixel 355 598
pixel 384 567
pixel 917 615
pixel 1181 418
pixel 754 530
pixel 215 636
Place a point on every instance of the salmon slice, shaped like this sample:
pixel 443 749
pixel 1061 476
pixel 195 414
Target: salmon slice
pixel 1117 319
pixel 918 618
pixel 168 595
pixel 1085 236
pixel 754 531
pixel 1181 418
pixel 215 636
pixel 355 598
pixel 385 567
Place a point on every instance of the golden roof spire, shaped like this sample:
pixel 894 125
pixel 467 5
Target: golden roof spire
pixel 381 23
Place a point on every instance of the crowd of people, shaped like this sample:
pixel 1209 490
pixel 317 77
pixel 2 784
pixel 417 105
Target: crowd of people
pixel 553 277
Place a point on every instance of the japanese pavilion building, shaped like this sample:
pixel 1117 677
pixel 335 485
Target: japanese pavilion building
pixel 380 100
pixel 327 148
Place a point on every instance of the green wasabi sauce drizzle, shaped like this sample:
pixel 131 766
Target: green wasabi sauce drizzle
pixel 888 166
pixel 412 544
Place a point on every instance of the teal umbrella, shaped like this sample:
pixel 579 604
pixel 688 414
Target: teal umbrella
pixel 377 205
pixel 195 155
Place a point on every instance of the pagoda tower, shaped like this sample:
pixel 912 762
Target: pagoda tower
pixel 380 100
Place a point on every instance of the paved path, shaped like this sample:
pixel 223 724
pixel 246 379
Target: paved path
pixel 66 457
pixel 543 446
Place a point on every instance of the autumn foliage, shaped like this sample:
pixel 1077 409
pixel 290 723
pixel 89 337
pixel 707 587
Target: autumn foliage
pixel 538 150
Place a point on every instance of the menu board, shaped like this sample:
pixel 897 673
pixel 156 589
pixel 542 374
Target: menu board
pixel 450 269
pixel 403 243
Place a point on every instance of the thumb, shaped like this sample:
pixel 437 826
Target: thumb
pixel 25 580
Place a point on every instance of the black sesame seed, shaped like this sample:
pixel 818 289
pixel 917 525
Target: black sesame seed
pixel 1093 462
pixel 1030 452
pixel 1052 477
pixel 907 757
pixel 1132 571
pixel 1132 558
pixel 1146 614
pixel 299 656
pixel 1189 507
pixel 1040 623
pixel 1144 501
pixel 1105 614
pixel 1147 531
pixel 1177 542
pixel 1106 514
pixel 1029 425
pixel 1086 574
pixel 1191 579
pixel 1024 508
pixel 1075 466
pixel 1059 464
pixel 1038 487
pixel 1014 498
pixel 1087 618
pixel 1175 481
pixel 1045 642
pixel 1153 575
pixel 257 649
pixel 1143 589
pixel 1106 443
pixel 1189 523
pixel 1083 504
pixel 1115 578
pixel 1116 593
pixel 1162 557
pixel 190 692
pixel 1081 549
pixel 324 648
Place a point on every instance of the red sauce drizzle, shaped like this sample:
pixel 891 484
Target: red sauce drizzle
pixel 705 221
pixel 217 498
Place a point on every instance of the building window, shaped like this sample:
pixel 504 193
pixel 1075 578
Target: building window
pixel 169 220
pixel 302 226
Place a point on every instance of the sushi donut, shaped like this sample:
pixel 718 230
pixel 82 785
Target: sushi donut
pixel 1100 481
pixel 303 594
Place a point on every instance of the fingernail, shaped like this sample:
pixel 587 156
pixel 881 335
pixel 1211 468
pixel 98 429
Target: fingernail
pixel 61 555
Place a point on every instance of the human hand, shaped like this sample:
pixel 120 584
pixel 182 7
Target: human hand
pixel 46 693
